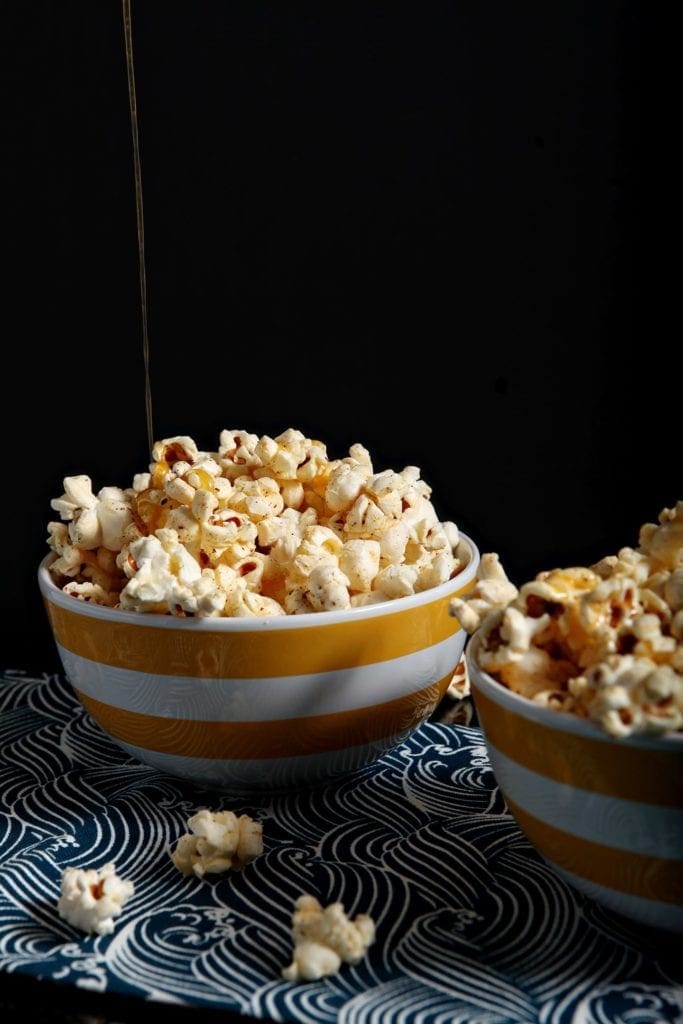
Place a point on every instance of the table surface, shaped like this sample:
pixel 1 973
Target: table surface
pixel 472 926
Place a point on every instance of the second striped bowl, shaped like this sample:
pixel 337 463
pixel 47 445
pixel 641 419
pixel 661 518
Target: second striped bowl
pixel 607 814
pixel 261 703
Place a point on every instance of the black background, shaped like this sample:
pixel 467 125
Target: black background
pixel 433 228
pixel 439 229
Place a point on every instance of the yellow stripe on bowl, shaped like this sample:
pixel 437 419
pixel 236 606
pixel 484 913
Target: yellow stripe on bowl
pixel 653 913
pixel 251 653
pixel 652 878
pixel 606 766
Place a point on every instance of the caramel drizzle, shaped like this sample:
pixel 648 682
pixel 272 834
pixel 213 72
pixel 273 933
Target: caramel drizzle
pixel 139 214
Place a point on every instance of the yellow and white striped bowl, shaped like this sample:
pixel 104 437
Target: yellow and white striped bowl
pixel 260 702
pixel 606 813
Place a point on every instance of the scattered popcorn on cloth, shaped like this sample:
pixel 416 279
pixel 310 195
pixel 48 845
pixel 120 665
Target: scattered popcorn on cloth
pixel 262 526
pixel 218 841
pixel 324 938
pixel 91 899
pixel 605 642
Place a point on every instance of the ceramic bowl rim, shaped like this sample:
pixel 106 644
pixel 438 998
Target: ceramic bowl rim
pixel 557 720
pixel 384 609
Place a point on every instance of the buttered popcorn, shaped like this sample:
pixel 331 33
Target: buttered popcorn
pixel 604 642
pixel 91 899
pixel 263 526
pixel 218 841
pixel 324 938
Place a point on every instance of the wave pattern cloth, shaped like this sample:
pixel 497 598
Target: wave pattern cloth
pixel 472 927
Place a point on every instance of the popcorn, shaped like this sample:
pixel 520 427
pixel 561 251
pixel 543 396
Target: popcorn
pixel 114 515
pixel 243 603
pixel 324 938
pixel 366 517
pixel 175 449
pixel 628 694
pixel 396 581
pixel 91 899
pixel 328 589
pixel 259 498
pixel 218 841
pixel 435 571
pixel 319 546
pixel 392 543
pixel 673 590
pixel 93 521
pixel 492 590
pixel 91 592
pixel 178 489
pixel 77 497
pixel 299 532
pixel 359 561
pixel 604 642
pixel 165 575
pixel 70 558
pixel 343 487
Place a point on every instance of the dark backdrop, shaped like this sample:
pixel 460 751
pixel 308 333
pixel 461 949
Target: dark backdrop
pixel 433 228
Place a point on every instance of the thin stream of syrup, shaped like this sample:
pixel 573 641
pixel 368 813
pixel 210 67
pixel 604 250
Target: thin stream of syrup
pixel 139 212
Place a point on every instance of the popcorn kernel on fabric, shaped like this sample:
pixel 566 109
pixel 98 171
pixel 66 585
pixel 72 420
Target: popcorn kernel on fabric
pixel 218 841
pixel 91 899
pixel 324 938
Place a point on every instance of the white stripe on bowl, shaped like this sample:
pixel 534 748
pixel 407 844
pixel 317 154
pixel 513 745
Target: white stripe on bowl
pixel 610 820
pixel 247 700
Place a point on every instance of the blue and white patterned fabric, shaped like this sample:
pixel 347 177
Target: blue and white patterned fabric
pixel 471 925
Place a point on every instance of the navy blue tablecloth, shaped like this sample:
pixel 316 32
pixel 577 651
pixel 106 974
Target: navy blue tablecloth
pixel 472 926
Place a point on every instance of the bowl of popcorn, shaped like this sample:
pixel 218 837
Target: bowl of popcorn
pixel 259 616
pixel 577 678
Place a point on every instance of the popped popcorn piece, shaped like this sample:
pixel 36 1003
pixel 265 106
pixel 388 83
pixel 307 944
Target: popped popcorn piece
pixel 114 515
pixel 70 558
pixel 175 449
pixel 301 532
pixel 178 489
pixel 343 487
pixel 492 590
pixel 324 938
pixel 630 694
pixel 93 520
pixel 366 518
pixel 259 498
pixel 359 561
pixel 604 642
pixel 237 448
pixel 328 589
pixel 91 592
pixel 78 496
pixel 396 581
pixel 243 603
pixel 218 841
pixel 435 571
pixel 142 482
pixel 459 686
pixel 165 575
pixel 91 899
pixel 673 590
pixel 663 544
pixel 393 541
